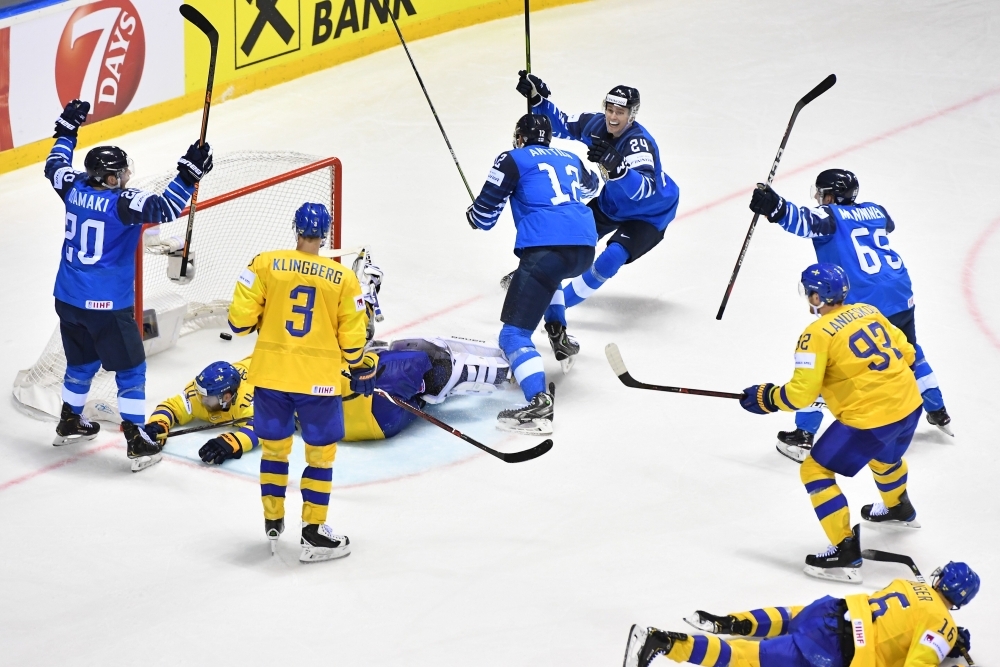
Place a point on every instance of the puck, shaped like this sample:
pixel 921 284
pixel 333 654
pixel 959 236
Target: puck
pixel 226 336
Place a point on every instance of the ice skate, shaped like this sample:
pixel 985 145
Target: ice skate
pixel 74 428
pixel 839 563
pixel 273 528
pixel 646 644
pixel 719 625
pixel 320 543
pixel 563 345
pixel 902 515
pixel 796 444
pixel 941 419
pixel 532 419
pixel 141 449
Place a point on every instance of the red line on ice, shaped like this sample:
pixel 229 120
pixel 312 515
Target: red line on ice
pixel 968 282
pixel 427 318
pixel 53 466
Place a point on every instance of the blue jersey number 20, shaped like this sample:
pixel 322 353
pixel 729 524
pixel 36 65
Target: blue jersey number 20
pixel 305 311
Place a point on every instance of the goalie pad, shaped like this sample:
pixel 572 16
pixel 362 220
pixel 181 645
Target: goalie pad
pixel 461 366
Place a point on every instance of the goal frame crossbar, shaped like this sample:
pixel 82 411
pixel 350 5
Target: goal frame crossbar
pixel 335 213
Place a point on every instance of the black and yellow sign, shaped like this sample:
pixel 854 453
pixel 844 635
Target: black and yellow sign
pixel 266 29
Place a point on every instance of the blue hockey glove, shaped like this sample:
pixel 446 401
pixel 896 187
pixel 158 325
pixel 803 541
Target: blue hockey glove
pixel 604 153
pixel 196 163
pixel 757 399
pixel 767 202
pixel 156 431
pixel 217 450
pixel 363 376
pixel 532 87
pixel 72 117
pixel 964 642
pixel 469 219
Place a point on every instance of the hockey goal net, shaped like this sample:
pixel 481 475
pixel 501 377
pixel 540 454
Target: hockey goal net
pixel 246 205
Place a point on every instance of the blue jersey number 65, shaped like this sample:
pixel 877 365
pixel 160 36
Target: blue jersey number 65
pixel 305 311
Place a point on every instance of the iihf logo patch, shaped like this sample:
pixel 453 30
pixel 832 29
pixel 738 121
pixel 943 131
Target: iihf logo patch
pixel 859 632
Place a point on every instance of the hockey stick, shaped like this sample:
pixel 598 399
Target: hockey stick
pixel 431 104
pixel 889 557
pixel 527 42
pixel 203 427
pixel 515 457
pixel 199 21
pixel 618 366
pixel 825 85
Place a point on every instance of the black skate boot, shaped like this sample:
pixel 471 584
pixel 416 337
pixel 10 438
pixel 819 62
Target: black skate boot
pixel 839 563
pixel 563 345
pixel 796 444
pixel 273 528
pixel 534 418
pixel 74 428
pixel 646 643
pixel 320 543
pixel 719 625
pixel 902 514
pixel 941 419
pixel 141 448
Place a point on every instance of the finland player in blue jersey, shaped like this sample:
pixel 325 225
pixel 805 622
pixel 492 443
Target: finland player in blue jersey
pixel 637 203
pixel 854 236
pixel 555 241
pixel 95 285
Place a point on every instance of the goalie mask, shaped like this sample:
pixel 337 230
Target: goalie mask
pixel 217 386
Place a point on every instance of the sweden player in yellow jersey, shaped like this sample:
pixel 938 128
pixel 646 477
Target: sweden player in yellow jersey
pixel 309 315
pixel 861 363
pixel 906 624
pixel 220 393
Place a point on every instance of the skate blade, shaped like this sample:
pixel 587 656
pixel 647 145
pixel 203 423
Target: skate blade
pixel 636 638
pixel 144 462
pixel 847 575
pixel 62 440
pixel 946 429
pixel 698 623
pixel 534 427
pixel 311 554
pixel 911 525
pixel 274 544
pixel 567 363
pixel 794 452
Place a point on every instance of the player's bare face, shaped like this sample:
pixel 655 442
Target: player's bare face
pixel 615 119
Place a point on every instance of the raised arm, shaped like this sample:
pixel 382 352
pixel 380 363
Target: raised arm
pixel 499 186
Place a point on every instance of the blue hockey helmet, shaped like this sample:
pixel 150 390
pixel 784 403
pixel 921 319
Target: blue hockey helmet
pixel 533 129
pixel 312 221
pixel 841 184
pixel 218 379
pixel 956 582
pixel 827 280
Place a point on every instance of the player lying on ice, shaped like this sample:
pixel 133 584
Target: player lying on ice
pixel 906 624
pixel 861 364
pixel 95 286
pixel 854 236
pixel 417 370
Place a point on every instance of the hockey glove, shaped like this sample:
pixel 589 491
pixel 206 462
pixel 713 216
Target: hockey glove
pixel 72 117
pixel 470 219
pixel 217 450
pixel 767 202
pixel 157 431
pixel 963 643
pixel 363 376
pixel 532 87
pixel 757 399
pixel 196 163
pixel 607 157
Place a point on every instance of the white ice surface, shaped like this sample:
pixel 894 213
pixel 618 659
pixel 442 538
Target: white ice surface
pixel 650 505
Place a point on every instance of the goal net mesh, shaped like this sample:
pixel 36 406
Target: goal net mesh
pixel 246 205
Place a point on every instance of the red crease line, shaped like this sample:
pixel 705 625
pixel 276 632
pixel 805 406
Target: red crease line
pixel 969 287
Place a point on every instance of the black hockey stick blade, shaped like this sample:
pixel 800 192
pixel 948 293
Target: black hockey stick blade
pixel 204 427
pixel 199 21
pixel 618 366
pixel 823 86
pixel 889 557
pixel 514 457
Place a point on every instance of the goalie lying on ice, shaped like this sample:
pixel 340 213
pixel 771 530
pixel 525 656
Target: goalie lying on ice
pixel 418 370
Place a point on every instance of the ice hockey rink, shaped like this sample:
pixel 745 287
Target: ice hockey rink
pixel 650 505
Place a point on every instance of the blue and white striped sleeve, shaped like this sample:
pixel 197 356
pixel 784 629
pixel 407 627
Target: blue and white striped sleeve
pixel 564 126
pixel 59 165
pixel 639 180
pixel 138 207
pixel 808 223
pixel 499 186
pixel 590 182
